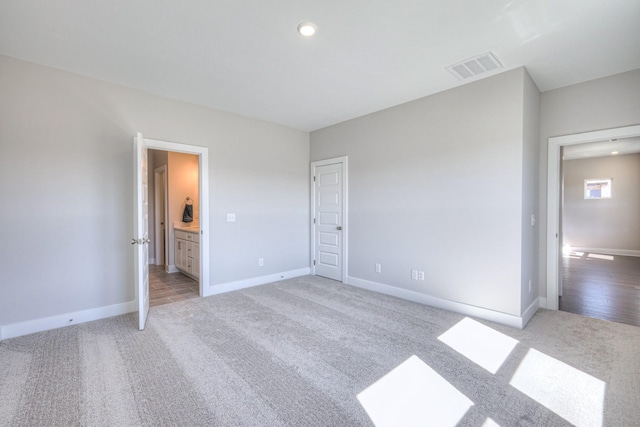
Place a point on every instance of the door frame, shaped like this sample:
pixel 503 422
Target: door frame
pixel 203 188
pixel 553 198
pixel 160 173
pixel 344 160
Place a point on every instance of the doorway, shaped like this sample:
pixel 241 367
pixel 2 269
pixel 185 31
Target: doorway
pixel 329 217
pixel 556 263
pixel 600 230
pixel 175 273
pixel 141 223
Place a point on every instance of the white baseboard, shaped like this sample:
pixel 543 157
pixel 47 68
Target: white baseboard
pixel 469 310
pixel 172 269
pixel 19 329
pixel 543 302
pixel 608 251
pixel 529 312
pixel 254 281
pixel 152 261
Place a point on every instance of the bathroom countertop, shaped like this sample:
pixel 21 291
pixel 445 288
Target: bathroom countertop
pixel 188 229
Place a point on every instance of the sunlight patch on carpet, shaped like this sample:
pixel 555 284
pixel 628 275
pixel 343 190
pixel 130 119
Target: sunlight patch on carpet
pixel 574 395
pixel 479 343
pixel 413 394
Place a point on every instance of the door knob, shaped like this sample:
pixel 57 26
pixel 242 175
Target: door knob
pixel 338 228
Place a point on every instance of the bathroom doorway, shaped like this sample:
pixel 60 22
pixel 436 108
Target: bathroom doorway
pixel 142 219
pixel 174 199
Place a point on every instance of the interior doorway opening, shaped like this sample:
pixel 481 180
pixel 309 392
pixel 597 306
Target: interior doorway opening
pixel 141 217
pixel 174 200
pixel 600 230
pixel 555 200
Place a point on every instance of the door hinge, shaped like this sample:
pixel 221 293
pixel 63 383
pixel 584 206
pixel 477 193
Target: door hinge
pixel 314 179
pixel 314 220
pixel 314 262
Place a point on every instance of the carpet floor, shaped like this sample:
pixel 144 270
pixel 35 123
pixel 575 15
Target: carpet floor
pixel 300 352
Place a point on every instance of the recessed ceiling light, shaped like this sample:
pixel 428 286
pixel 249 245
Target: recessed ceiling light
pixel 614 152
pixel 307 29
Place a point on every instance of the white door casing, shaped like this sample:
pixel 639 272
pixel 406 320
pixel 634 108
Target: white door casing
pixel 329 219
pixel 141 228
pixel 160 186
pixel 553 198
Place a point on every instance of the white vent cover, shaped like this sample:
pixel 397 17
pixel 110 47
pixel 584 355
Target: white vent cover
pixel 475 66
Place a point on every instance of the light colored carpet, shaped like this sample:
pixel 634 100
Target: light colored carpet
pixel 297 353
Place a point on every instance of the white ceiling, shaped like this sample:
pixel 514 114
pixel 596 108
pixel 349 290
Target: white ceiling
pixel 602 148
pixel 245 56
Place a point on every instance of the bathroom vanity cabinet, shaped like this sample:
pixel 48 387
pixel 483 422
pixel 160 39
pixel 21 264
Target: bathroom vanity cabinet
pixel 187 252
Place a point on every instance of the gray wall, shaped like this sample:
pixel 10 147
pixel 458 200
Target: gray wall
pixel 530 168
pixel 66 184
pixel 605 223
pixel 437 185
pixel 604 103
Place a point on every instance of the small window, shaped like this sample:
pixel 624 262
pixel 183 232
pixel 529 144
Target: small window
pixel 597 188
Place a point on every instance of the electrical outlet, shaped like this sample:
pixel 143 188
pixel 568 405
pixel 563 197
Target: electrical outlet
pixel 231 217
pixel 260 262
pixel 414 274
pixel 529 285
pixel 420 275
pixel 378 268
pixel 533 220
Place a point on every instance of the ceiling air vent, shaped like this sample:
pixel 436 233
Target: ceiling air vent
pixel 475 66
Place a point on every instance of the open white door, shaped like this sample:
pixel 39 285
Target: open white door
pixel 141 228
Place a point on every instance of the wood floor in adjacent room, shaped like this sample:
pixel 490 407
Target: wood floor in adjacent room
pixel 602 286
pixel 165 288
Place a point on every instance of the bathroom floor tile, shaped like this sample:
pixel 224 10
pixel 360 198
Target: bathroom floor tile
pixel 165 288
